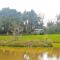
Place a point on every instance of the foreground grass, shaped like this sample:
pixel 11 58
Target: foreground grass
pixel 21 40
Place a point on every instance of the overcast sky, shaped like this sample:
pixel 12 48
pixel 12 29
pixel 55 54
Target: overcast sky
pixel 47 7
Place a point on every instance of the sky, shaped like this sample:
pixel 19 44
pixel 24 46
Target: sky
pixel 48 8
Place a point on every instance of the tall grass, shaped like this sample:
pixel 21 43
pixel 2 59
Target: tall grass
pixel 17 40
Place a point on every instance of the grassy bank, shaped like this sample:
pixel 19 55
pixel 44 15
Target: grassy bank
pixel 31 40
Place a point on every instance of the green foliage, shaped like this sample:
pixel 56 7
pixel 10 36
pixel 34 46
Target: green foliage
pixel 12 22
pixel 53 28
pixel 51 40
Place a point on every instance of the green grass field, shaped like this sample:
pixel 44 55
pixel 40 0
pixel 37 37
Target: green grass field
pixel 54 39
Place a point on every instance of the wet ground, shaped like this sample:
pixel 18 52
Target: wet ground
pixel 26 53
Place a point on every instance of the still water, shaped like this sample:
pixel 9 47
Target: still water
pixel 20 53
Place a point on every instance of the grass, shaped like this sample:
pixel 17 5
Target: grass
pixel 56 45
pixel 18 40
pixel 53 37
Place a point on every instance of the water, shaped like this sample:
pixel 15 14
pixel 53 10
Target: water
pixel 26 57
pixel 46 57
pixel 13 53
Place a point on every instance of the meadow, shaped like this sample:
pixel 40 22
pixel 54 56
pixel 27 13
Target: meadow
pixel 51 40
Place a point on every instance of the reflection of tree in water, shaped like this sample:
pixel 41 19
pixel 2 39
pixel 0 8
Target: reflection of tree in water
pixel 26 57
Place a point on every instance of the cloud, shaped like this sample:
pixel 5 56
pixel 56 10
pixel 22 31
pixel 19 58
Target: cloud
pixel 49 7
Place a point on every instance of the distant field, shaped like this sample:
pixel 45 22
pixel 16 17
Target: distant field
pixel 21 40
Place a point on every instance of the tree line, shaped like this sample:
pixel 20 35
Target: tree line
pixel 14 22
pixel 54 28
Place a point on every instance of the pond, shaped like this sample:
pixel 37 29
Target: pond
pixel 26 53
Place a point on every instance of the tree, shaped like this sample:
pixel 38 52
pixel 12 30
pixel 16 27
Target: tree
pixel 58 23
pixel 40 21
pixel 13 21
pixel 10 19
pixel 51 28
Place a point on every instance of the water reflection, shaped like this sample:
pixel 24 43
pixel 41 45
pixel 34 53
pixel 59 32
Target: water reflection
pixel 29 53
pixel 26 57
pixel 44 56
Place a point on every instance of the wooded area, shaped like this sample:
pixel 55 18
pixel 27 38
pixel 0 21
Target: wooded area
pixel 14 22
